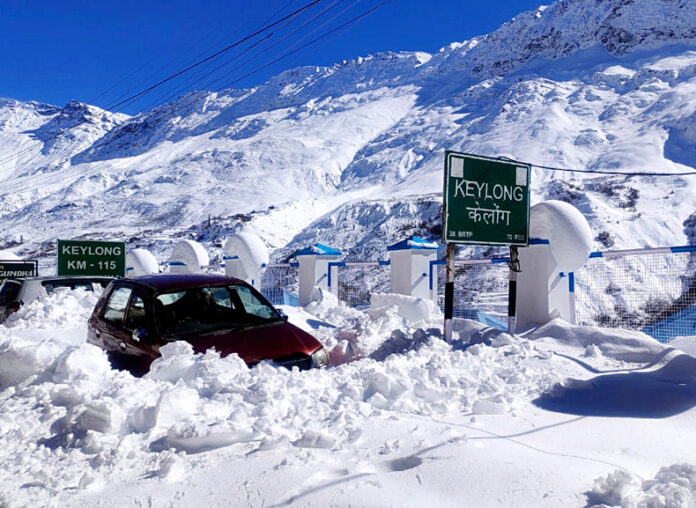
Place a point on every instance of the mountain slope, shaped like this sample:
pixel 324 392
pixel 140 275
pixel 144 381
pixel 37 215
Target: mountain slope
pixel 601 85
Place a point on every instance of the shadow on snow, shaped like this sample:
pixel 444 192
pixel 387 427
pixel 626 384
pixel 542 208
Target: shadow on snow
pixel 660 393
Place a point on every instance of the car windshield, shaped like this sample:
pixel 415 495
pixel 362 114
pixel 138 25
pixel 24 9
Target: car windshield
pixel 210 309
pixel 8 292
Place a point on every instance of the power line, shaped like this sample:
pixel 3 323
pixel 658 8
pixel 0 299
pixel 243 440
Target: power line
pixel 196 79
pixel 214 55
pixel 179 91
pixel 210 83
pixel 316 39
pixel 607 172
pixel 163 114
pixel 111 108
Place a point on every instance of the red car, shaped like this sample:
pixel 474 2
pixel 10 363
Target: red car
pixel 135 317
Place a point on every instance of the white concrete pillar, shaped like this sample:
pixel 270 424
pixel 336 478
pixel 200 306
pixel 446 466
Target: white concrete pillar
pixel 234 267
pixel 314 270
pixel 542 290
pixel 410 266
pixel 140 262
pixel 188 257
pixel 245 256
pixel 536 264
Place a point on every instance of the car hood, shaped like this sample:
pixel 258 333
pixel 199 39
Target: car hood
pixel 268 342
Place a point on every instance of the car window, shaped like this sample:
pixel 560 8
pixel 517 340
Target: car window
pixel 221 296
pixel 169 298
pixel 52 285
pixel 8 292
pixel 252 305
pixel 208 308
pixel 137 316
pixel 116 306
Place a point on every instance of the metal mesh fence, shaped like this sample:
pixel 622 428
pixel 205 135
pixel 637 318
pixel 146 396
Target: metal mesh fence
pixel 652 291
pixel 358 281
pixel 279 284
pixel 480 291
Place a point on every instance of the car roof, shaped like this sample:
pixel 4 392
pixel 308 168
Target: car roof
pixel 174 281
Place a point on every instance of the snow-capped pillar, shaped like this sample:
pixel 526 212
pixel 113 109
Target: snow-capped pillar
pixel 314 271
pixel 546 284
pixel 245 256
pixel 411 262
pixel 140 262
pixel 188 257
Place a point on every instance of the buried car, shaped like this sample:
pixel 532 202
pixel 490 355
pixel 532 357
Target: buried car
pixel 16 292
pixel 135 317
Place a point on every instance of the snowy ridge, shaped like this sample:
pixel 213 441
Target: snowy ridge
pixel 605 86
pixel 566 26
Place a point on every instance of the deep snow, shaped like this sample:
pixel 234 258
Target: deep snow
pixel 562 416
pixel 351 156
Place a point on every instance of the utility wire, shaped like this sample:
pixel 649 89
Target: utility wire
pixel 180 89
pixel 282 57
pixel 208 84
pixel 214 55
pixel 110 108
pixel 607 172
pixel 158 115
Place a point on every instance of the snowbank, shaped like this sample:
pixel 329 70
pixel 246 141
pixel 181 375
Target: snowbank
pixel 70 424
pixel 673 487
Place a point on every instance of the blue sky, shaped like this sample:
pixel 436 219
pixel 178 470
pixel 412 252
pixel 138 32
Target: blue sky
pixel 103 52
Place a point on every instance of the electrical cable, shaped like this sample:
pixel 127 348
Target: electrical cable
pixel 187 85
pixel 156 117
pixel 214 55
pixel 179 91
pixel 258 69
pixel 607 172
pixel 208 84
pixel 112 107
pixel 347 23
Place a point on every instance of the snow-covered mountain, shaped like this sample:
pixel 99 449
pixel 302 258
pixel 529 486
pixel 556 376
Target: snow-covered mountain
pixel 351 155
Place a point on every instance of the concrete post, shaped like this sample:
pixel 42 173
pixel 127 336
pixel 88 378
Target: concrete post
pixel 542 289
pixel 234 267
pixel 410 266
pixel 314 270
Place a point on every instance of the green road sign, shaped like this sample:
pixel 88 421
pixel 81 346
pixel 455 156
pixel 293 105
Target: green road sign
pixel 486 201
pixel 77 257
pixel 18 269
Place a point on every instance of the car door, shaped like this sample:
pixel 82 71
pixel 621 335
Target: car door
pixel 126 312
pixel 139 335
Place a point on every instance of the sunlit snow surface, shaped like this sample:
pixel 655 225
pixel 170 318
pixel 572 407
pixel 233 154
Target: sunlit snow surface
pixel 561 416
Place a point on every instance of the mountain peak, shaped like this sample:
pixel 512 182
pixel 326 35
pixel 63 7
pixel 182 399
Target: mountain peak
pixel 566 26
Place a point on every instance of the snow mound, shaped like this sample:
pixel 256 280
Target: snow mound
pixel 65 405
pixel 624 345
pixel 673 487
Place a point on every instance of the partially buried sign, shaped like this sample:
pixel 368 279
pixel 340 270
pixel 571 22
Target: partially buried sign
pixel 78 257
pixel 18 269
pixel 486 201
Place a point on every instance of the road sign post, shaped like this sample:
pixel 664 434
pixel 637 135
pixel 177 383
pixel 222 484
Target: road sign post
pixel 485 202
pixel 79 257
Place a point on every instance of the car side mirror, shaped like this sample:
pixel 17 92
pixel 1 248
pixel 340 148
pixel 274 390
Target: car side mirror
pixel 282 314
